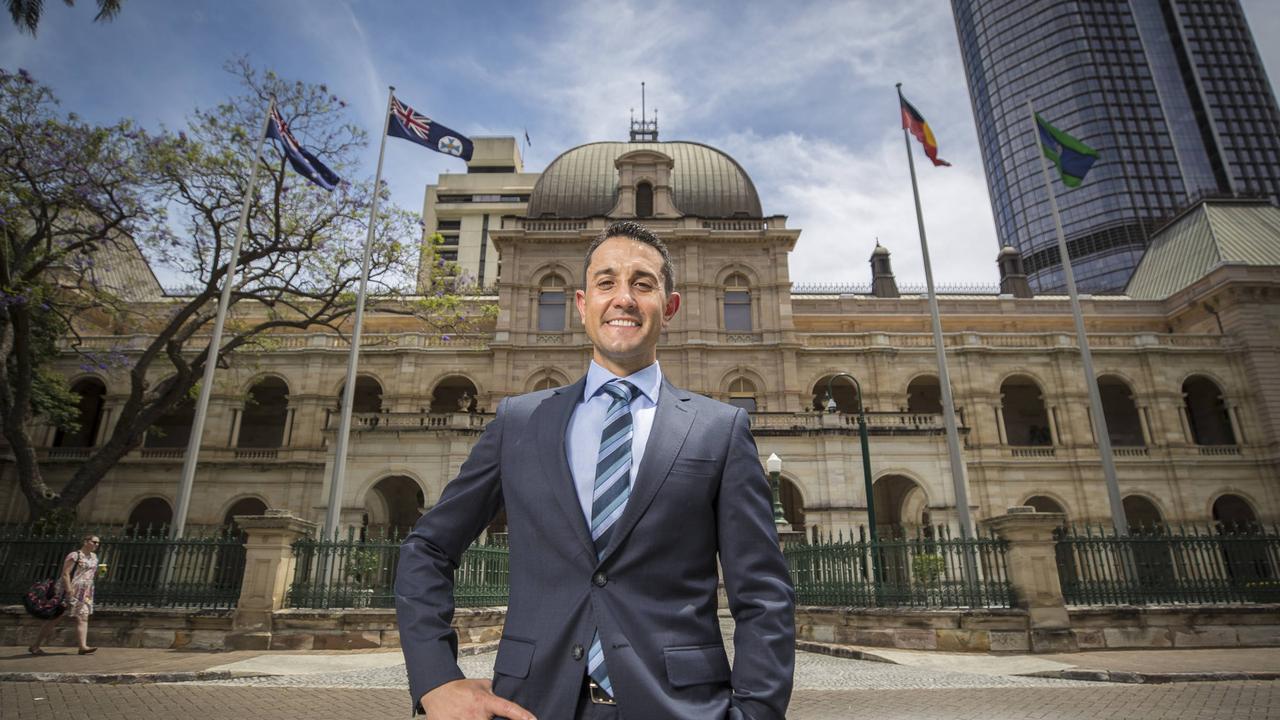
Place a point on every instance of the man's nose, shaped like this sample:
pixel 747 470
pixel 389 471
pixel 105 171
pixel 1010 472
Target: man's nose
pixel 624 298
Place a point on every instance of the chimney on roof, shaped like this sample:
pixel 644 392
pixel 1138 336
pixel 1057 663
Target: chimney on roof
pixel 882 283
pixel 1013 278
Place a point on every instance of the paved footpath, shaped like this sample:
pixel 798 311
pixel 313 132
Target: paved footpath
pixel 1183 701
pixel 349 686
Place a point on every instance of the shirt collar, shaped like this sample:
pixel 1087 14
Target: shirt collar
pixel 647 381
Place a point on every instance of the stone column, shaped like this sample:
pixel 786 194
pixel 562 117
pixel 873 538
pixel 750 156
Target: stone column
pixel 1054 436
pixel 268 570
pixel 1187 435
pixel 1233 416
pixel 1000 429
pixel 1033 573
pixel 1145 424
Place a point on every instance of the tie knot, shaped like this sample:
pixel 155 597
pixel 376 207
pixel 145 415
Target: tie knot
pixel 620 390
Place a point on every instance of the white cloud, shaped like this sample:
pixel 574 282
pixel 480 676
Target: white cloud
pixel 843 200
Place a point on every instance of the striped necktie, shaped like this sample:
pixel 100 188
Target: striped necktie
pixel 612 488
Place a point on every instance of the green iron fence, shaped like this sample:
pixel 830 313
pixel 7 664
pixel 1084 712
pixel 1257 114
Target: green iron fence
pixel 928 568
pixel 1166 564
pixel 144 567
pixel 355 573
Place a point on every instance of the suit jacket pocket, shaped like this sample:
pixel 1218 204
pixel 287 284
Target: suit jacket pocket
pixel 703 467
pixel 697 665
pixel 514 657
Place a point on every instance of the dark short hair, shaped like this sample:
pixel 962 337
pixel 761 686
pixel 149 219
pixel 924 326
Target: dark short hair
pixel 634 231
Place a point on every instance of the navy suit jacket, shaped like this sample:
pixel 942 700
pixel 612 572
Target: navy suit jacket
pixel 699 494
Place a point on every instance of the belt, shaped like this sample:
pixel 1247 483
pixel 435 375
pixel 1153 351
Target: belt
pixel 597 695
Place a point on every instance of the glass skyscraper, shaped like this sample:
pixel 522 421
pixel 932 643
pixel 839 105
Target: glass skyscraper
pixel 1171 93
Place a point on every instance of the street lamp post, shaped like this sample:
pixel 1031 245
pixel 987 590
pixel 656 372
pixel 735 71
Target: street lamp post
pixel 866 467
pixel 774 465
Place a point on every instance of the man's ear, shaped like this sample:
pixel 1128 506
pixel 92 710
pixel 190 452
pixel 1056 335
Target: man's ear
pixel 673 304
pixel 580 300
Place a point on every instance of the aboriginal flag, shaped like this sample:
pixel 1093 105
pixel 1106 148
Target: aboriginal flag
pixel 913 121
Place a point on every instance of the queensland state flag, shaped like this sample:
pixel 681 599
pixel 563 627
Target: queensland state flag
pixel 411 125
pixel 306 164
pixel 915 123
pixel 1072 157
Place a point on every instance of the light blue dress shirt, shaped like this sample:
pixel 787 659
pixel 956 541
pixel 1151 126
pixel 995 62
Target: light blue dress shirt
pixel 582 442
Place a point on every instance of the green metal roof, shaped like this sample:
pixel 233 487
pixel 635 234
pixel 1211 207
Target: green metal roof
pixel 1212 233
pixel 705 182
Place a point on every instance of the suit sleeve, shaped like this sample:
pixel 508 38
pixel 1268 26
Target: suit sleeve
pixel 761 596
pixel 431 553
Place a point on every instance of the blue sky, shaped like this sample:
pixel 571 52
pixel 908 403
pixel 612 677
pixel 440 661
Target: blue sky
pixel 800 93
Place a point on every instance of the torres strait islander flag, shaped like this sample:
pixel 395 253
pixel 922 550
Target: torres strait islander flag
pixel 915 123
pixel 1072 157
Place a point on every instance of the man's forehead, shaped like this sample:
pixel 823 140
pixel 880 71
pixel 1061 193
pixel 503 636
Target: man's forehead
pixel 617 250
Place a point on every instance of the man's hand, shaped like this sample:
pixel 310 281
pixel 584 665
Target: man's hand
pixel 470 700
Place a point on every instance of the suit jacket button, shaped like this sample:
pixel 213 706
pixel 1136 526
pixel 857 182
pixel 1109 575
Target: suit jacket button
pixel 577 651
pixel 600 579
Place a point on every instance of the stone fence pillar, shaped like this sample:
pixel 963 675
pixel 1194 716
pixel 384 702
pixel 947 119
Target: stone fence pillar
pixel 268 570
pixel 1033 573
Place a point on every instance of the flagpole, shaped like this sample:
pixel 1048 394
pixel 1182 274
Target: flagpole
pixel 1090 379
pixel 944 379
pixel 349 390
pixel 211 357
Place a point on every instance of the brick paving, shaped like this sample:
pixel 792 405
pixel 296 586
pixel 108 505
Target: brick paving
pixel 1192 701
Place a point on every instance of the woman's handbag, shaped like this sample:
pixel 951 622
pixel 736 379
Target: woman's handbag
pixel 42 599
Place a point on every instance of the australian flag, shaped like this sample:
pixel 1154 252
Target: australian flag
pixel 307 165
pixel 411 125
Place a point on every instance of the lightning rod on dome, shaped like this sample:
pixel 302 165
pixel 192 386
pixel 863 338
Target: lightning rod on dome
pixel 644 130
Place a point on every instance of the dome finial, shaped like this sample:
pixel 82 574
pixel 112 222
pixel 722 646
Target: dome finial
pixel 644 130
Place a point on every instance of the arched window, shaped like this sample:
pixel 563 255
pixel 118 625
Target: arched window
pixel 737 304
pixel 174 427
pixel 149 517
pixel 644 200
pixel 453 394
pixel 1142 515
pixel 368 397
pixel 1026 420
pixel 266 412
pixel 1045 504
pixel 91 392
pixel 742 393
pixel 1207 412
pixel 843 391
pixel 1123 426
pixel 924 395
pixel 546 383
pixel 551 301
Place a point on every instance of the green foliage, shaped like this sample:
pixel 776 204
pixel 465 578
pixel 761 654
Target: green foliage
pixel 362 565
pixel 926 568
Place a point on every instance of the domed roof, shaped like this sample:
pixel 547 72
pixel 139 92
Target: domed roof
pixel 705 182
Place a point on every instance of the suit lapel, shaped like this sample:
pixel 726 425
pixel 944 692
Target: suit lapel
pixel 671 425
pixel 551 418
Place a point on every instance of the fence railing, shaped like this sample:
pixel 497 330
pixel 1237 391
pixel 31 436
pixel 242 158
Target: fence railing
pixel 1169 565
pixel 927 569
pixel 355 573
pixel 144 567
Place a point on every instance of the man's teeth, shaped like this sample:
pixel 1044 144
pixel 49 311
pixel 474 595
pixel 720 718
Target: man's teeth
pixel 624 323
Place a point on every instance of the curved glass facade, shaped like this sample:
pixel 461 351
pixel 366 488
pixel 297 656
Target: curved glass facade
pixel 1171 93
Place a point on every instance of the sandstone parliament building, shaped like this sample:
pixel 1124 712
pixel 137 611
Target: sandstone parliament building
pixel 1188 364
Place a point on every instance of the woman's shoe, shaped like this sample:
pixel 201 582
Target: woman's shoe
pixel 88 651
pixel 35 650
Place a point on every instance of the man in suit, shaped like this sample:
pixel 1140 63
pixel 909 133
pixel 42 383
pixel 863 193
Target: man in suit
pixel 621 491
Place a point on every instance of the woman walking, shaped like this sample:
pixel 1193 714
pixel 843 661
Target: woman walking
pixel 79 570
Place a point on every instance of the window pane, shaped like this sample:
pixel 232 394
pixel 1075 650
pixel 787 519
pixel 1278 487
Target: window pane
pixel 551 311
pixel 746 403
pixel 737 311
